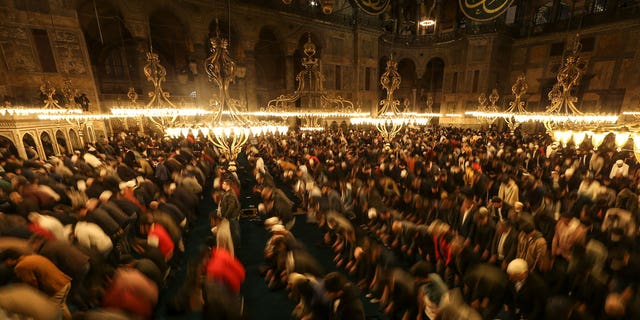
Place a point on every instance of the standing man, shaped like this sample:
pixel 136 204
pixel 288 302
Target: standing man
pixel 229 209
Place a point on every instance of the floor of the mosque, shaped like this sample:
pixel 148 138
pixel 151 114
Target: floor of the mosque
pixel 260 303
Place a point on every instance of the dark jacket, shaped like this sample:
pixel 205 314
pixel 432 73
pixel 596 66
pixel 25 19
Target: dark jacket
pixel 510 246
pixel 530 301
pixel 67 257
pixel 350 306
pixel 229 205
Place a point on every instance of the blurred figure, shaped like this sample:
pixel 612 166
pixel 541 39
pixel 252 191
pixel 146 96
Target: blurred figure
pixel 344 296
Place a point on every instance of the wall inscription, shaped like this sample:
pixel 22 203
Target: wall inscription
pixel 69 53
pixel 16 50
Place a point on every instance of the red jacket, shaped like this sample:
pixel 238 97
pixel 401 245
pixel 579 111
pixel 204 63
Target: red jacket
pixel 222 266
pixel 133 292
pixel 165 244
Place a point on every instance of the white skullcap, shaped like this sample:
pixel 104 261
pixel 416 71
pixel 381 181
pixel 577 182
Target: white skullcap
pixel 105 195
pixel 619 162
pixel 517 267
pixel 271 222
pixel 295 278
pixel 303 168
pixel 569 172
pixel 518 204
pixel 483 210
pixel 519 150
pixel 278 228
pixel 315 192
pixel 33 216
pixel 82 185
pixel 372 213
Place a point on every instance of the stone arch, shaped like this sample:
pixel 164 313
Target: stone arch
pixel 61 139
pixel 407 71
pixel 270 66
pixel 74 139
pixel 91 133
pixel 112 48
pixel 430 85
pixel 30 146
pixel 169 39
pixel 48 144
pixel 7 146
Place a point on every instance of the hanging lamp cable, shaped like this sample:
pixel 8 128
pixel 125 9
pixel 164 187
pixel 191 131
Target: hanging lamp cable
pixel 95 10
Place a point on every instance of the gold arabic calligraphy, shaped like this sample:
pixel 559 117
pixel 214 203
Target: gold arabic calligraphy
pixel 486 5
pixel 373 6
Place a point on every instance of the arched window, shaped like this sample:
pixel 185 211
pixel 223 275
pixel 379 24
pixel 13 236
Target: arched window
pixel 270 68
pixel 113 64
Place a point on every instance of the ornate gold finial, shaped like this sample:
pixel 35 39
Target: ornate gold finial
pixel 309 47
pixel 429 104
pixel 390 81
pixel 48 90
pixel 494 97
pixel 520 87
pixel 69 92
pixel 569 76
pixel 482 101
pixel 133 95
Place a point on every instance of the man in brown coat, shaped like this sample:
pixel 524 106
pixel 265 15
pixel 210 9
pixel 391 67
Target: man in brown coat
pixel 532 247
pixel 39 272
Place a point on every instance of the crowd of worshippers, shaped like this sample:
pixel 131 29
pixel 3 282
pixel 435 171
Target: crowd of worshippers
pixel 101 231
pixel 453 223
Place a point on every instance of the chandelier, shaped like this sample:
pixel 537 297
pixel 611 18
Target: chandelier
pixel 562 118
pixel 517 106
pixel 73 116
pixel 160 110
pixel 388 123
pixel 567 122
pixel 389 119
pixel 427 19
pixel 486 113
pixel 315 104
pixel 229 129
